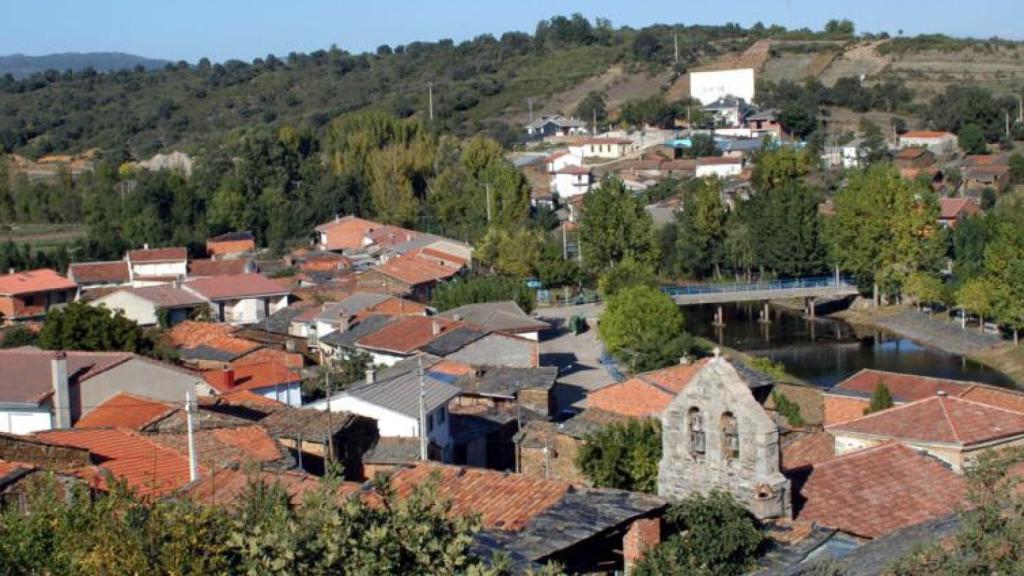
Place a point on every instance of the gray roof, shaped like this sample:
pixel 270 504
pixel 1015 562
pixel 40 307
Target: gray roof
pixel 453 341
pixel 164 296
pixel 352 305
pixel 560 121
pixel 872 558
pixel 347 338
pixel 504 316
pixel 279 322
pixel 507 381
pixel 393 450
pixel 766 114
pixel 400 391
pixel 204 352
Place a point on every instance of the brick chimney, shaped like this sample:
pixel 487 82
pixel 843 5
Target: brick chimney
pixel 643 534
pixel 61 394
pixel 223 379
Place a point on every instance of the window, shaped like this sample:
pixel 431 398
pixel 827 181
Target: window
pixel 696 425
pixel 730 437
pixel 430 423
pixel 441 415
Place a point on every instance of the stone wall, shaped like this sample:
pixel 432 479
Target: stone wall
pixel 558 463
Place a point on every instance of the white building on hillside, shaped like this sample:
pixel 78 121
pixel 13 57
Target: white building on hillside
pixel 710 85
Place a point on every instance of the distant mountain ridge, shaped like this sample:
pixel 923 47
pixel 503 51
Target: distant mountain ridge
pixel 22 65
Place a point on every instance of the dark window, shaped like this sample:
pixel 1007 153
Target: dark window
pixel 730 437
pixel 697 435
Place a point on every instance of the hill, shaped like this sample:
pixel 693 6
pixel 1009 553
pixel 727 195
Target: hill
pixel 22 66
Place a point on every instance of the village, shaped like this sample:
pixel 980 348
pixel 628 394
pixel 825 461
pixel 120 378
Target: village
pixel 574 393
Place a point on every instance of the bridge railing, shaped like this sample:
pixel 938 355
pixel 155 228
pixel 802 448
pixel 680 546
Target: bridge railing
pixel 787 284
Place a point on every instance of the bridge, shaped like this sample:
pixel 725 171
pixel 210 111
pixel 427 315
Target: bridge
pixel 795 288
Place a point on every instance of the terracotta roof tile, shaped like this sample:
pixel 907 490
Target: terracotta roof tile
pixel 191 334
pixel 940 419
pixel 7 468
pixel 236 286
pixel 998 397
pixel 253 377
pixel 644 395
pixel 158 255
pixel 31 281
pixel 115 272
pixel 226 487
pixel 952 208
pixel 219 447
pixel 126 411
pixel 165 296
pixel 903 387
pixel 347 233
pixel 807 450
pixel 503 500
pixel 875 491
pixel 413 270
pixel 407 333
pixel 230 267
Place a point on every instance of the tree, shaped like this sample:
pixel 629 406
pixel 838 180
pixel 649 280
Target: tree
pixel 643 327
pixel 715 536
pixel 646 46
pixel 925 288
pixel 972 139
pixel 700 243
pixel 785 229
pixel 881 399
pixel 79 326
pixel 17 336
pixel 842 27
pixel 1017 167
pixel 623 455
pixel 481 289
pixel 615 226
pixel 975 296
pixel 776 168
pixel 627 273
pixel 787 408
pixel 592 107
pixel 1004 276
pixel 874 146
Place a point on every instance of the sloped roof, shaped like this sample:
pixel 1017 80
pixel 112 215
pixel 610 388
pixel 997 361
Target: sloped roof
pixel 228 267
pixel 952 208
pixel 453 340
pixel 926 134
pixel 158 255
pixel 163 296
pixel 398 389
pixel 32 281
pixel 254 377
pixel 219 447
pixel 348 307
pixel 998 397
pixel 347 232
pixel 232 237
pixel 413 270
pixel 115 272
pixel 503 316
pixel 192 335
pixel 875 491
pixel 940 419
pixel 506 381
pixel 396 450
pixel 646 394
pixel 407 334
pixel 807 450
pixel 310 425
pixel 902 387
pixel 236 286
pixel 126 411
pixel 25 376
pixel 227 487
pixel 365 327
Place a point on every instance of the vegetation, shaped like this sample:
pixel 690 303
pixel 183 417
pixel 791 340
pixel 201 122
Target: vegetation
pixel 615 227
pixel 623 455
pixel 715 537
pixel 479 289
pixel 79 326
pixel 787 408
pixel 881 399
pixel 643 327
pixel 17 336
pixel 627 273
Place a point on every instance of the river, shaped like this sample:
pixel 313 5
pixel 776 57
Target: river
pixel 826 351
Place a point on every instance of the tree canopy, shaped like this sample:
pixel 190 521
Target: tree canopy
pixel 615 226
pixel 623 455
pixel 644 328
pixel 80 326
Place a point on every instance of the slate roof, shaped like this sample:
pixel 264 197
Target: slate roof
pixel 874 557
pixel 197 339
pixel 32 281
pixel 348 338
pixel 939 419
pixel 453 341
pixel 310 425
pixel 350 306
pixel 115 272
pixel 872 492
pixel 505 382
pixel 505 316
pixel 279 322
pixel 25 377
pixel 390 451
pixel 232 237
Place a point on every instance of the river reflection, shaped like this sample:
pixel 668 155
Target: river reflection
pixel 827 351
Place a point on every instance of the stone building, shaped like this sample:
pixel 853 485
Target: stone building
pixel 716 435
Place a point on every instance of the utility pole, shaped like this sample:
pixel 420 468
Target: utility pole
pixel 675 44
pixel 529 104
pixel 330 418
pixel 430 98
pixel 193 461
pixel 565 244
pixel 1020 109
pixel 423 413
pixel 487 187
pixel 594 110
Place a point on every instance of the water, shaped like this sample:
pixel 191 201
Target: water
pixel 827 351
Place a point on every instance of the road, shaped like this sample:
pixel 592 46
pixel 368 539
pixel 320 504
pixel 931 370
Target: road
pixel 577 357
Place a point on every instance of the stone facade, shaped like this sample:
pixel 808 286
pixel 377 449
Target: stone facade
pixel 717 436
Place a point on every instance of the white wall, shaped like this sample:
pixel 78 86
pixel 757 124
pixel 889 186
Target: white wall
pixel 719 170
pixel 138 309
pixel 712 85
pixel 391 423
pixel 569 185
pixel 179 268
pixel 564 160
pixel 25 421
pixel 290 394
pixel 248 310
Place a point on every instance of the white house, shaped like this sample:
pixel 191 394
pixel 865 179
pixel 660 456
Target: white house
pixel 394 402
pixel 719 166
pixel 148 267
pixel 710 85
pixel 729 112
pixel 268 379
pixel 240 298
pixel 937 142
pixel 849 155
pixel 147 304
pixel 571 181
pixel 602 147
pixel 561 159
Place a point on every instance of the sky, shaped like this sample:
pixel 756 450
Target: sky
pixel 245 29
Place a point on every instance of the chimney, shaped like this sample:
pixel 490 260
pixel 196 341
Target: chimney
pixel 435 327
pixel 371 375
pixel 289 345
pixel 224 379
pixel 145 246
pixel 61 394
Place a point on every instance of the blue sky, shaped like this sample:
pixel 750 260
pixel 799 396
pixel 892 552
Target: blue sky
pixel 223 29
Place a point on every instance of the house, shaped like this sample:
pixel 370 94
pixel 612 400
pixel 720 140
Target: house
pixel 231 245
pixel 876 491
pixel 31 294
pixel 560 159
pixel 645 395
pixel 349 310
pixel 717 436
pixel 534 521
pixel 477 347
pixel 41 389
pixel 936 142
pixel 163 304
pixel 979 178
pixel 344 233
pixel 273 380
pixel 400 401
pixel 156 266
pixel 226 267
pixel 98 275
pixel 240 298
pixel 719 166
pixel 546 449
pixel 707 86
pixel 245 447
pixel 310 434
pixel 342 343
pixel 914 157
pixel 766 122
pixel 555 125
pixel 504 316
pixel 409 275
pixel 209 345
pixel 848 155
pixel 602 147
pixel 953 210
pixel 403 337
pixel 954 430
pixel 571 181
pixel 728 112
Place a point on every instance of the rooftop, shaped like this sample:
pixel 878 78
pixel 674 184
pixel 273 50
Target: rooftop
pixel 115 272
pixel 398 389
pixel 413 269
pixel 26 375
pixel 390 451
pixel 407 334
pixel 158 255
pixel 253 377
pixel 951 208
pixel 365 327
pixel 503 316
pixel 163 296
pixel 506 382
pixel 646 394
pixel 190 335
pixel 902 387
pixel 126 411
pixel 227 267
pixel 32 281
pixel 236 286
pixel 232 237
pixel 926 134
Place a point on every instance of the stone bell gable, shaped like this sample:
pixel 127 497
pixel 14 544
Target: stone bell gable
pixel 715 435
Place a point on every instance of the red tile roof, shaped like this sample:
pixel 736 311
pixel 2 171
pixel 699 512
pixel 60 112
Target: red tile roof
pixel 925 134
pixel 644 395
pixel 394 306
pixel 953 208
pixel 147 467
pixel 902 387
pixel 719 160
pixel 983 159
pixel 807 450
pixel 406 334
pixel 253 377
pixel 998 397
pixel 190 334
pixel 347 233
pixel 940 419
pixel 250 398
pixel 387 235
pixel 127 411
pixel 236 286
pixel 219 447
pixel 158 255
pixel 872 492
pixel 414 270
pixel 504 501
pixel 32 281
pixel 7 468
pixel 226 487
pixel 231 267
pixel 99 272
pixel 276 355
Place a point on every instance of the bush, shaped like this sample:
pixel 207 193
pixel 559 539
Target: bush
pixel 623 455
pixel 483 289
pixel 787 408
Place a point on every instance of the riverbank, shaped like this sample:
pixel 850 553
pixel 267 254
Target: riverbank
pixel 945 335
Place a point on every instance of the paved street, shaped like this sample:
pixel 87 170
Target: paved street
pixel 577 357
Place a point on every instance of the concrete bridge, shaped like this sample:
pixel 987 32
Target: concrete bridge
pixel 794 288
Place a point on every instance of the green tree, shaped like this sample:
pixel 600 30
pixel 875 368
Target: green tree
pixel 481 289
pixel 787 408
pixel 644 328
pixel 79 326
pixel 627 273
pixel 972 139
pixel 700 243
pixel 623 455
pixel 592 107
pixel 925 288
pixel 17 336
pixel 842 27
pixel 785 229
pixel 716 537
pixel 881 399
pixel 779 167
pixel 874 145
pixel 513 252
pixel 975 295
pixel 615 226
pixel 1004 275
pixel 1017 167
